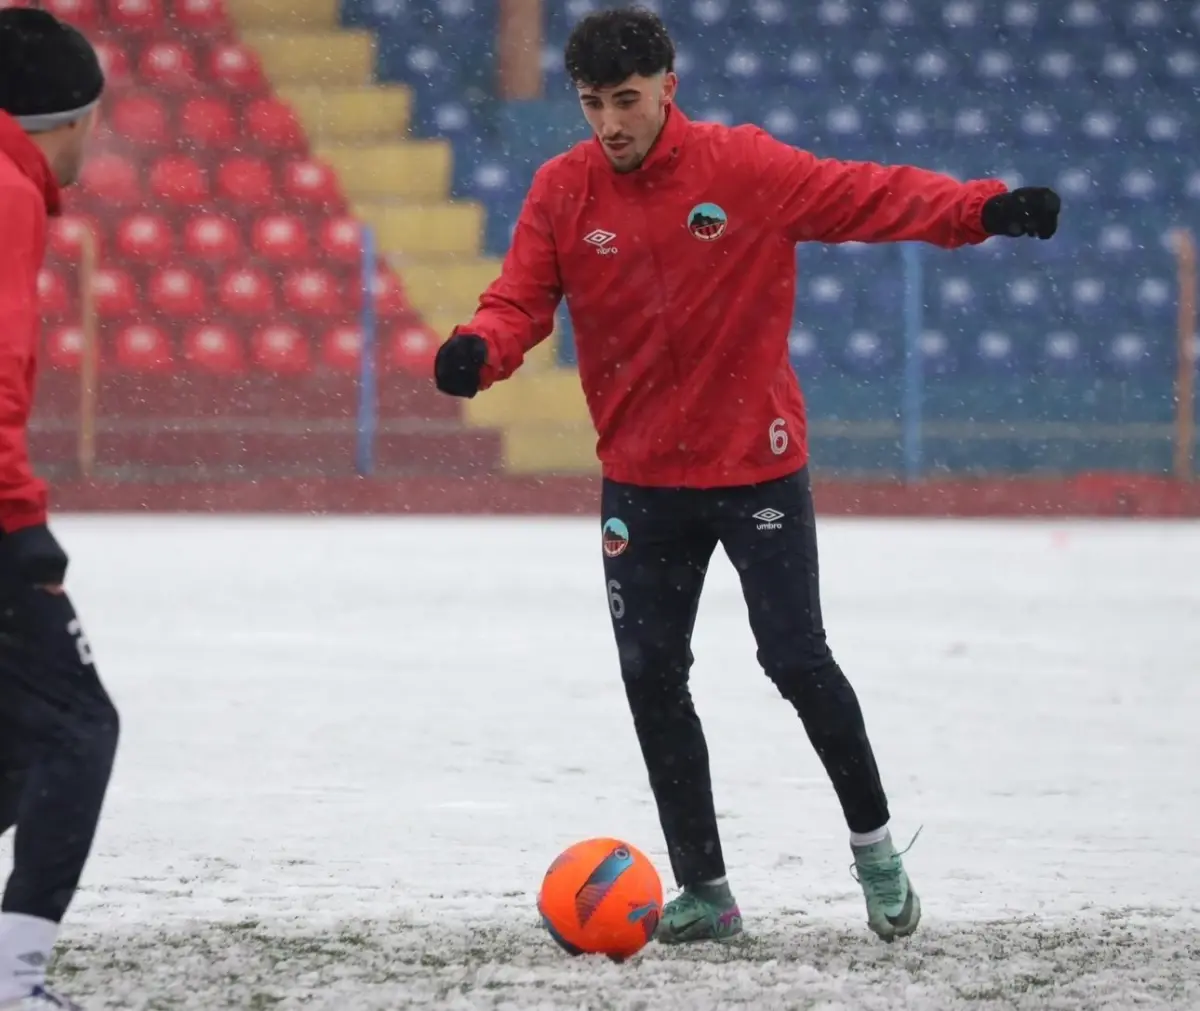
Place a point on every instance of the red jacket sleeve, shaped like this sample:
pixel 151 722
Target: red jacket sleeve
pixel 22 496
pixel 516 312
pixel 824 200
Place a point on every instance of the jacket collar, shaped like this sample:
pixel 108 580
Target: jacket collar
pixel 664 155
pixel 30 162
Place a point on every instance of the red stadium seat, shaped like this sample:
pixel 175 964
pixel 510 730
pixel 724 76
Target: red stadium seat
pixel 280 238
pixel 246 181
pixel 143 347
pixel 54 294
pixel 236 66
pixel 112 180
pixel 411 347
pixel 135 15
pixel 115 294
pixel 208 122
pixel 144 237
pixel 114 61
pixel 280 348
pixel 64 345
pixel 341 239
pixel 212 238
pixel 167 64
pixel 179 180
pixel 311 183
pixel 177 293
pixel 246 292
pixel 80 13
pixel 214 348
pixel 66 235
pixel 272 124
pixel 341 348
pixel 200 16
pixel 313 291
pixel 390 300
pixel 140 118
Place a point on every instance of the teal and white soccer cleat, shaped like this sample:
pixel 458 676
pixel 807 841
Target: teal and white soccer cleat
pixel 893 907
pixel 711 915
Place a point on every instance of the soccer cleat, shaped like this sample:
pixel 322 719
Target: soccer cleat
pixel 893 907
pixel 40 999
pixel 689 917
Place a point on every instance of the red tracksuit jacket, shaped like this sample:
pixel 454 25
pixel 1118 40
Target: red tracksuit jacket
pixel 28 194
pixel 680 280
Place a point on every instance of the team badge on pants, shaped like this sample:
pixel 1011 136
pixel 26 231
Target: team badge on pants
pixel 616 537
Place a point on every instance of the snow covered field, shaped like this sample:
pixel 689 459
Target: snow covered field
pixel 351 748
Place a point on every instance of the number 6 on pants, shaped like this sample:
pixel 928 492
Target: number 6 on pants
pixel 615 602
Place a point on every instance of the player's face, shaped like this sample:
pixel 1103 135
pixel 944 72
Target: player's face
pixel 627 118
pixel 69 162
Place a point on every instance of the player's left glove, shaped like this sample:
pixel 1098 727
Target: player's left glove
pixel 459 363
pixel 1031 210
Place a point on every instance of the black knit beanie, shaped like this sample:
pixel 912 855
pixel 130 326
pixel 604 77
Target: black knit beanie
pixel 49 72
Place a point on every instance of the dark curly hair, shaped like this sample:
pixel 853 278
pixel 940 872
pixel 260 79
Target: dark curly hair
pixel 609 46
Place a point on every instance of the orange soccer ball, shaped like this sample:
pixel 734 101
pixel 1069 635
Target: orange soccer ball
pixel 601 897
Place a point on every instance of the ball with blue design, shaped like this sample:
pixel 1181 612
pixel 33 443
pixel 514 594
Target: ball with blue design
pixel 601 897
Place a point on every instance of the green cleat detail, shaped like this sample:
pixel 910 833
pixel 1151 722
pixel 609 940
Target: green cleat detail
pixel 689 917
pixel 893 907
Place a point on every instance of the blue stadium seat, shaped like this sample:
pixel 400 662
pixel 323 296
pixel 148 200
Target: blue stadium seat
pixel 827 302
pixel 808 352
pixel 868 352
pixel 995 351
pixel 941 352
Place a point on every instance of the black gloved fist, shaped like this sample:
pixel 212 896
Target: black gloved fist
pixel 1031 210
pixel 459 363
pixel 33 556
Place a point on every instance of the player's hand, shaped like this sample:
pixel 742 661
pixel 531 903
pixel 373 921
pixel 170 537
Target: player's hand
pixel 1031 211
pixel 459 364
pixel 34 556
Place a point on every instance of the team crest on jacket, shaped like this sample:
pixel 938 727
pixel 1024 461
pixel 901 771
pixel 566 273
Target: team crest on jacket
pixel 616 537
pixel 707 222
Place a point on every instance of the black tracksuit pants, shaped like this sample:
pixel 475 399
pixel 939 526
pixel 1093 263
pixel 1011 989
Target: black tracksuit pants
pixel 58 739
pixel 657 546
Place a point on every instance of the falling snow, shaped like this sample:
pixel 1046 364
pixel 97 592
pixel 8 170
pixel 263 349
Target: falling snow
pixel 352 747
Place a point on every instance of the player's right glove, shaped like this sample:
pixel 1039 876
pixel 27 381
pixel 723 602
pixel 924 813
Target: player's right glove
pixel 33 556
pixel 459 364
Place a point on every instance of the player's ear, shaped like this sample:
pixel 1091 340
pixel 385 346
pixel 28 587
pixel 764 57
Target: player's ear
pixel 670 85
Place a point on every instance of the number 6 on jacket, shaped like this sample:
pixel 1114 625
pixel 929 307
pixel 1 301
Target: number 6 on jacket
pixel 779 437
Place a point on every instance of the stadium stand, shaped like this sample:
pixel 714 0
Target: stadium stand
pixel 1097 99
pixel 245 139
pixel 229 280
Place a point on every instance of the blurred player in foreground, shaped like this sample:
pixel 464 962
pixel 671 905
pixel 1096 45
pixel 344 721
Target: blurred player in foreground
pixel 58 728
pixel 674 245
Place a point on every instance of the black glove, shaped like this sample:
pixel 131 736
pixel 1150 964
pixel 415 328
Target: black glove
pixel 33 556
pixel 459 363
pixel 1031 210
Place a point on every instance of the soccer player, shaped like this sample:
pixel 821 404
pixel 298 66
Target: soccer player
pixel 58 727
pixel 673 243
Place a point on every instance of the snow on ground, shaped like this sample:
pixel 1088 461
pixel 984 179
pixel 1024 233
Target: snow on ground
pixel 351 748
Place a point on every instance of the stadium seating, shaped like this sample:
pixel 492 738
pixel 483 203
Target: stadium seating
pixel 244 140
pixel 1095 98
pixel 203 192
pixel 229 265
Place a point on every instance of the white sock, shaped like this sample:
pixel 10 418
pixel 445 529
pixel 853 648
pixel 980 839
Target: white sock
pixel 25 946
pixel 869 838
pixel 715 882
